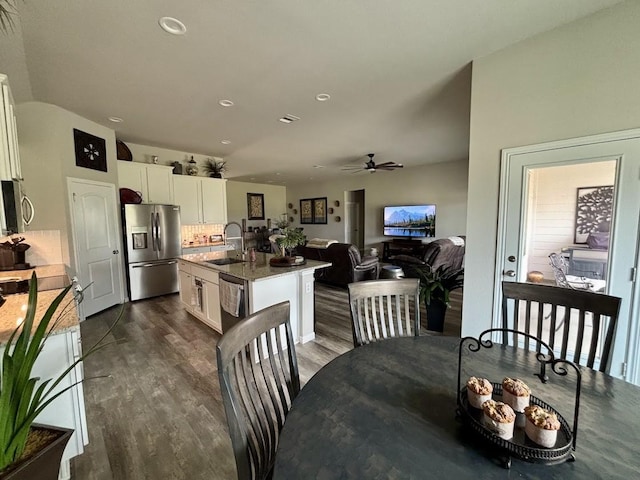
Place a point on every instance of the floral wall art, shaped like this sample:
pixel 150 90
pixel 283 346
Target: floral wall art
pixel 593 211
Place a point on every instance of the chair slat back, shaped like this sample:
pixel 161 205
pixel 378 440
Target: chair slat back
pixel 573 321
pixel 384 309
pixel 259 379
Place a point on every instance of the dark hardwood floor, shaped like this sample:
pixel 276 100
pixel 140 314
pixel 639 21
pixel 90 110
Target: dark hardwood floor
pixel 159 413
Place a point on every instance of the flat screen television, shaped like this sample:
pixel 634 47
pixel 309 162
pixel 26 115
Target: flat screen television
pixel 410 221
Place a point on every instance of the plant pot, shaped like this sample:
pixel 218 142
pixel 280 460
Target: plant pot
pixel 436 312
pixel 44 464
pixel 216 175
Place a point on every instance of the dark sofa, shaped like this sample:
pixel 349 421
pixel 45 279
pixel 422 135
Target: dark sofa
pixel 443 251
pixel 347 264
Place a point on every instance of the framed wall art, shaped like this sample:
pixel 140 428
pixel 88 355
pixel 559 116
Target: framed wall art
pixel 91 151
pixel 255 206
pixel 306 210
pixel 313 210
pixel 593 211
pixel 320 210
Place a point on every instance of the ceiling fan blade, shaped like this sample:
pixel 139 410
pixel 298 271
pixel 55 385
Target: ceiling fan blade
pixel 388 164
pixel 353 167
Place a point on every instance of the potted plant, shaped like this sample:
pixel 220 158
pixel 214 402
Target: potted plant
pixel 215 168
pixel 290 239
pixel 435 287
pixel 23 396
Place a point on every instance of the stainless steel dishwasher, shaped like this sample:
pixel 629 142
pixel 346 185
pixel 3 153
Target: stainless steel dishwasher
pixel 229 319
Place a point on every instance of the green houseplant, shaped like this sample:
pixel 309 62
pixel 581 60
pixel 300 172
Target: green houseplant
pixel 23 396
pixel 215 168
pixel 291 238
pixel 435 287
pixel 7 10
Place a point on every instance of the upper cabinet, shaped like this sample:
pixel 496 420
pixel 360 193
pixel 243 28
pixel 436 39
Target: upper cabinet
pixel 202 200
pixel 154 182
pixel 9 153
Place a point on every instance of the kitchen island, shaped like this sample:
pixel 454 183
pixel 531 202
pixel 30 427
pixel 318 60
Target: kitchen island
pixel 263 284
pixel 61 349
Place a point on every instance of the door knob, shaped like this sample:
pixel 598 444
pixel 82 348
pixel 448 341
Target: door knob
pixel 115 252
pixel 510 273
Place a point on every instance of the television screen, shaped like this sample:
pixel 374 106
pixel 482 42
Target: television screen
pixel 410 221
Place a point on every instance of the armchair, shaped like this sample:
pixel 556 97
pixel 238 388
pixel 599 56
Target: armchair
pixel 347 265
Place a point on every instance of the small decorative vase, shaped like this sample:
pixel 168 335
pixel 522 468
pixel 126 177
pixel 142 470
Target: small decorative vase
pixel 177 168
pixel 192 167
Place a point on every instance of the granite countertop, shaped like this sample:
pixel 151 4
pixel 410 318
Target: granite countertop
pixel 15 306
pixel 251 271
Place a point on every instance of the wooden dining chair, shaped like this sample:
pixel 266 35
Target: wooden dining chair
pixel 383 309
pixel 587 318
pixel 259 379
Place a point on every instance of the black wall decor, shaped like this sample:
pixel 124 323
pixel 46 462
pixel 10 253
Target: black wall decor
pixel 594 206
pixel 91 151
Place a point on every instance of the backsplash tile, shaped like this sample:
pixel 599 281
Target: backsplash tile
pixel 46 247
pixel 198 233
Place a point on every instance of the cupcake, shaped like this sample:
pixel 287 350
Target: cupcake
pixel 499 418
pixel 478 391
pixel 542 426
pixel 515 393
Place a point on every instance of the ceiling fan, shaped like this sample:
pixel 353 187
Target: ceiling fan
pixel 371 166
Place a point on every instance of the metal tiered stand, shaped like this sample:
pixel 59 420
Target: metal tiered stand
pixel 519 445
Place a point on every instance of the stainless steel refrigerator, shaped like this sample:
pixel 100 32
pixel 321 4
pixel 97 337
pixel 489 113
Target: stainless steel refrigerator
pixel 152 239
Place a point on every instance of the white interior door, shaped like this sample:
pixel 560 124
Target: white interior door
pixel 624 149
pixel 97 246
pixel 352 221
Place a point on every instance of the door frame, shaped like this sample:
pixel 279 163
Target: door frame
pixel 74 239
pixel 632 346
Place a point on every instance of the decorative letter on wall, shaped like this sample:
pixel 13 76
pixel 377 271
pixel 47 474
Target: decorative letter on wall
pixel 91 151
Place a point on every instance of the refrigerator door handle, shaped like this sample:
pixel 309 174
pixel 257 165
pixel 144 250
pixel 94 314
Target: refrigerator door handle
pixel 153 232
pixel 159 240
pixel 155 264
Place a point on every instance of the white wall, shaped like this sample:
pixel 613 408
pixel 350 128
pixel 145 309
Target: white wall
pixel 275 202
pixel 444 184
pixel 580 79
pixel 47 153
pixel 554 207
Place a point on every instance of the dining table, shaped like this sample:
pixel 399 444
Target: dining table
pixel 388 410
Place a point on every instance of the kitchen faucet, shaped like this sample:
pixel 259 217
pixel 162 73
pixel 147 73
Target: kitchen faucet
pixel 224 234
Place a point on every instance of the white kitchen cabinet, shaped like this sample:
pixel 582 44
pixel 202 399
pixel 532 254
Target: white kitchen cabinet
pixel 211 305
pixel 185 280
pixel 199 293
pixel 202 200
pixel 59 352
pixel 154 182
pixel 9 152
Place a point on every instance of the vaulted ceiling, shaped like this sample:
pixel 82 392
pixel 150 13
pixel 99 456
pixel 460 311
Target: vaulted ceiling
pixel 398 74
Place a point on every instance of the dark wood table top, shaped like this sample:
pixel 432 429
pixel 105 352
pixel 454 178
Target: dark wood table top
pixel 387 410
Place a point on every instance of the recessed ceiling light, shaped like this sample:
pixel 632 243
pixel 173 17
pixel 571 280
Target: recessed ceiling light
pixel 226 103
pixel 288 118
pixel 253 178
pixel 115 119
pixel 172 25
pixel 318 166
pixel 225 142
pixel 278 173
pixel 323 97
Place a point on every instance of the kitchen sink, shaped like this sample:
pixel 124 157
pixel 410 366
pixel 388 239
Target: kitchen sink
pixel 224 261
